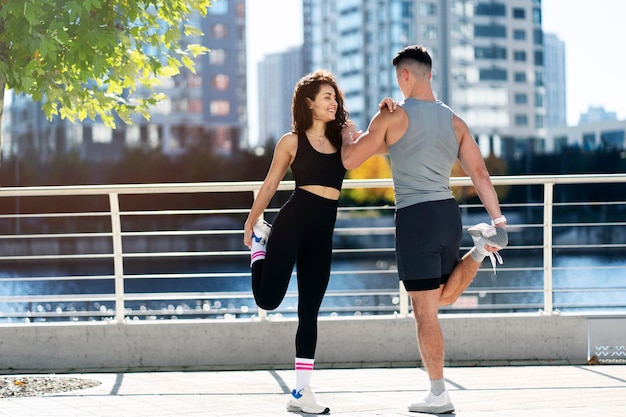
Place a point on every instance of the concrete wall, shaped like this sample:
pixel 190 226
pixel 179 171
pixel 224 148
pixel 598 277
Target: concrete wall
pixel 254 344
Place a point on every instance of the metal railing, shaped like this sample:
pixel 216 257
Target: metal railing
pixel 108 258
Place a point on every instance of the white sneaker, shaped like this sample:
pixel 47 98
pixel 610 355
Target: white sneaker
pixel 261 231
pixel 484 234
pixel 304 401
pixel 434 404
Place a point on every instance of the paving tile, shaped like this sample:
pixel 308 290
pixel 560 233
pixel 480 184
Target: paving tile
pixel 487 391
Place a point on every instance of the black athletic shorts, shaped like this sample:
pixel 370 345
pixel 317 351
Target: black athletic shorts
pixel 428 239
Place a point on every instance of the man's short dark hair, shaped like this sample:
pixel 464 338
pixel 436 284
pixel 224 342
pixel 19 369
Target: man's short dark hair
pixel 417 53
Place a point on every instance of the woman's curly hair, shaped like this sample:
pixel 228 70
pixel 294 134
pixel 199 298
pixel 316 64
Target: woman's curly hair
pixel 308 87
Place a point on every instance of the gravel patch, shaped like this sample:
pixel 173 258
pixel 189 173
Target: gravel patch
pixel 35 386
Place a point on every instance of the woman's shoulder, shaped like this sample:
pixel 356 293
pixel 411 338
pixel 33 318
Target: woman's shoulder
pixel 288 142
pixel 289 137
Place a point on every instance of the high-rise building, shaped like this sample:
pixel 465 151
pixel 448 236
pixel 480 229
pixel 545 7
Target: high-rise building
pixel 556 104
pixel 597 114
pixel 488 59
pixel 278 74
pixel 208 106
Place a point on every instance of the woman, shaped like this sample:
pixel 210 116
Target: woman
pixel 303 228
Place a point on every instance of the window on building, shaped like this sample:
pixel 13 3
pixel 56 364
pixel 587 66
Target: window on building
pixel 195 106
pixel 589 141
pixel 490 9
pixel 538 37
pixel 538 100
pixel 519 77
pixel 221 82
pixel 486 117
pixel 539 58
pixel 492 74
pixel 538 78
pixel 194 80
pixel 219 31
pixel 482 97
pixel 220 107
pixel 463 52
pixel 519 34
pixel 101 133
pixel 132 135
pixel 181 105
pixel 519 13
pixel 429 32
pixel 163 107
pixel 521 120
pixel 560 143
pixel 462 30
pixel 489 31
pixel 536 16
pixel 613 139
pixel 434 54
pixel 427 9
pixel 150 135
pixel 382 14
pixel 218 56
pixel 521 98
pixel 406 9
pixel 539 121
pixel 407 33
pixel 490 52
pixel 519 56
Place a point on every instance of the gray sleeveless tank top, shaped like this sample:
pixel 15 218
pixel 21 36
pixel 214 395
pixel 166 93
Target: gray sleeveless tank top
pixel 422 159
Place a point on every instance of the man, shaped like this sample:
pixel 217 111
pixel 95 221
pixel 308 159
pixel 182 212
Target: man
pixel 424 139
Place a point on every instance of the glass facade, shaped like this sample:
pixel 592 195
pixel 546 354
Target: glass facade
pixel 486 64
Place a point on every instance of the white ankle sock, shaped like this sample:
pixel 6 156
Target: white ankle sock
pixel 304 370
pixel 476 254
pixel 437 386
pixel 257 252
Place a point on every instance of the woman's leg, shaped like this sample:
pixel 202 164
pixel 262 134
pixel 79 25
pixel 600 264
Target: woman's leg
pixel 313 270
pixel 271 276
pixel 313 267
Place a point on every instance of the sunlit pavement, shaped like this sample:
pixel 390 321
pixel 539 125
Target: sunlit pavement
pixel 512 391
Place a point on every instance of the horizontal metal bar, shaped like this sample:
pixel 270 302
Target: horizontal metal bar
pixel 514 227
pixel 241 186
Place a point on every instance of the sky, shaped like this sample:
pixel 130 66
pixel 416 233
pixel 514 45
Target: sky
pixel 591 30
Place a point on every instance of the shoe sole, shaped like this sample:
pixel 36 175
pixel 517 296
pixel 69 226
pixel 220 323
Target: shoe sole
pixel 445 409
pixel 499 240
pixel 304 409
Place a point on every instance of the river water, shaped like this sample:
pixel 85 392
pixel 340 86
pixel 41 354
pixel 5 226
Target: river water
pixel 581 282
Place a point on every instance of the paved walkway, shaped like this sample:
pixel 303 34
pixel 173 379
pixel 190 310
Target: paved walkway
pixel 511 391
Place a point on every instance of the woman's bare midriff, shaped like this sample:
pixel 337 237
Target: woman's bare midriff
pixel 322 191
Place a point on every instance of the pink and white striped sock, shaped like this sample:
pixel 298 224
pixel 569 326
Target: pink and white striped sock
pixel 304 370
pixel 257 252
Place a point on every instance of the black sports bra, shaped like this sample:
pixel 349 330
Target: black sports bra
pixel 311 167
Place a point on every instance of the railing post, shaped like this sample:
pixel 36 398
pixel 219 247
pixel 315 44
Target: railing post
pixel 404 301
pixel 262 313
pixel 548 197
pixel 118 258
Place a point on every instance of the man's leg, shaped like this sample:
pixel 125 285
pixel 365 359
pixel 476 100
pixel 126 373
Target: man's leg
pixel 431 348
pixel 429 336
pixel 462 276
pixel 487 241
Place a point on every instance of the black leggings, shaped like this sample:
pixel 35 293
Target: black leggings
pixel 302 233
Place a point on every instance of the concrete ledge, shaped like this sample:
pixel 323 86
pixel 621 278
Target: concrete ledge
pixel 253 344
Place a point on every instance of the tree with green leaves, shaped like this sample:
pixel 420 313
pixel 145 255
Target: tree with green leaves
pixel 95 58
